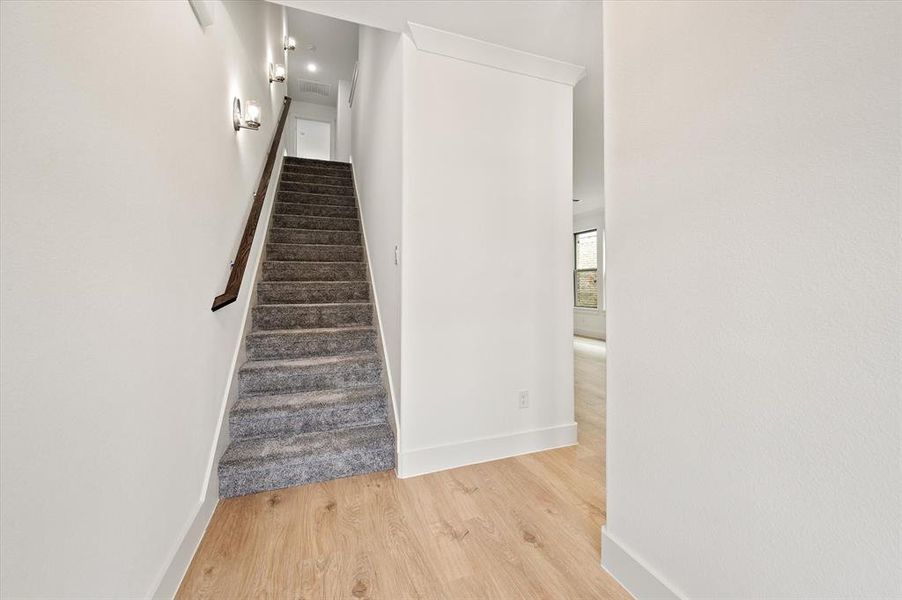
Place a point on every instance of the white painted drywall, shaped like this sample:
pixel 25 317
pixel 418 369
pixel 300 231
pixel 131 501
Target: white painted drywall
pixel 588 115
pixel 567 30
pixel 124 194
pixel 487 308
pixel 753 216
pixel 343 123
pixel 376 119
pixel 313 112
pixel 588 321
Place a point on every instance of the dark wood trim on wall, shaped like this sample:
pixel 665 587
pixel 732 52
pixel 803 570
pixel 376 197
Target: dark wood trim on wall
pixel 247 239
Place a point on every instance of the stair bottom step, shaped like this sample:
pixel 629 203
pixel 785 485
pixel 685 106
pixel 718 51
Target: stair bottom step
pixel 261 464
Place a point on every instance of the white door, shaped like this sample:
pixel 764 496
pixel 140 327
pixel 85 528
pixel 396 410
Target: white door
pixel 314 139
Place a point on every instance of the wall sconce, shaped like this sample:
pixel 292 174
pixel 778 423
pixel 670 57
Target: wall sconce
pixel 276 73
pixel 251 117
pixel 289 43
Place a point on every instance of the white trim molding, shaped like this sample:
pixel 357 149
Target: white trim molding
pixel 169 580
pixel 392 393
pixel 459 454
pixel 633 574
pixel 438 41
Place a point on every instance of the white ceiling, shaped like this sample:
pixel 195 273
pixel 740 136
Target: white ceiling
pixel 567 30
pixel 553 28
pixel 335 55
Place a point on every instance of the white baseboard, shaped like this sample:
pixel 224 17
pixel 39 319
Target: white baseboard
pixel 630 572
pixel 392 393
pixel 171 578
pixel 448 456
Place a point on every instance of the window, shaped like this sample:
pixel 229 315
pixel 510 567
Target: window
pixel 585 274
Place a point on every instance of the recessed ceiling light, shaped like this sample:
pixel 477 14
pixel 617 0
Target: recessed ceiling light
pixel 312 67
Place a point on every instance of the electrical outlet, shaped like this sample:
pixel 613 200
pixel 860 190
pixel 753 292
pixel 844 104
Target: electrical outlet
pixel 524 399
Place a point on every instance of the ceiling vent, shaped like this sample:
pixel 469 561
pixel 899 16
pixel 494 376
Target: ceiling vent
pixel 324 90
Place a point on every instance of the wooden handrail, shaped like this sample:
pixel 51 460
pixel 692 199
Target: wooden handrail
pixel 247 239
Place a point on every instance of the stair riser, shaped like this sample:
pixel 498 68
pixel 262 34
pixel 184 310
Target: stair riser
pixel 313 236
pixel 319 293
pixel 314 253
pixel 315 210
pixel 300 171
pixel 287 379
pixel 276 316
pixel 316 188
pixel 327 223
pixel 238 482
pixel 320 178
pixel 300 344
pixel 304 198
pixel 315 418
pixel 294 161
pixel 301 271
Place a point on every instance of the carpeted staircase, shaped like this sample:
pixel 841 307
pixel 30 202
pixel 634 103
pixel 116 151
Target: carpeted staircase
pixel 311 404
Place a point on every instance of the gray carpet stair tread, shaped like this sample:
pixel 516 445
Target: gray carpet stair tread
pixel 311 316
pixel 314 361
pixel 315 252
pixel 317 262
pixel 312 292
pixel 288 221
pixel 326 246
pixel 285 405
pixel 316 188
pixel 258 451
pixel 307 374
pixel 354 247
pixel 302 342
pixel 297 160
pixel 313 330
pixel 310 209
pixel 314 236
pixel 320 177
pixel 319 304
pixel 298 270
pixel 290 196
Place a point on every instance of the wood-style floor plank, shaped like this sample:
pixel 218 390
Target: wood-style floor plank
pixel 523 527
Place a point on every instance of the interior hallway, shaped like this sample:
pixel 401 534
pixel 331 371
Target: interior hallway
pixel 523 527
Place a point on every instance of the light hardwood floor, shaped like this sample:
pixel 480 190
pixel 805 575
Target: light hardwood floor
pixel 524 527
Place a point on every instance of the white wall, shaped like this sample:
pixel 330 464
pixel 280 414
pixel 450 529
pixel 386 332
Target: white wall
pixel 487 308
pixel 566 30
pixel 753 219
pixel 343 123
pixel 376 154
pixel 590 322
pixel 313 112
pixel 124 193
pixel 588 116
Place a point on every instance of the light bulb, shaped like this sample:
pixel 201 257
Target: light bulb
pixel 276 73
pixel 289 43
pixel 252 113
pixel 312 67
